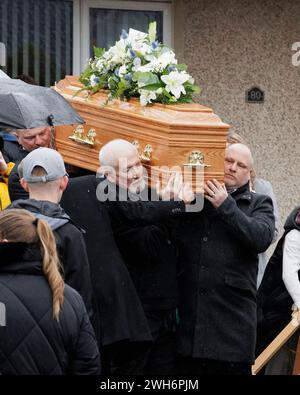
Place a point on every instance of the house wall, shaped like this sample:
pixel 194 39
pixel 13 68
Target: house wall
pixel 232 45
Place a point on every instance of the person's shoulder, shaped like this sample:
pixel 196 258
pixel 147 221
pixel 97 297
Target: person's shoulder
pixel 71 293
pixel 261 198
pixel 262 186
pixel 14 151
pixel 74 298
pixel 82 182
pixel 72 230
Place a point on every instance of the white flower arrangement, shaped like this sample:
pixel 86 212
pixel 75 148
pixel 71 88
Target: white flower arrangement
pixel 138 66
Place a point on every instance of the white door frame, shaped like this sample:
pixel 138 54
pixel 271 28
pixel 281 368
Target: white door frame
pixel 81 25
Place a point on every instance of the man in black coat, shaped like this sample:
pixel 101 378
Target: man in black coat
pixel 123 333
pixel 121 327
pixel 29 140
pixel 43 176
pixel 218 257
pixel 145 234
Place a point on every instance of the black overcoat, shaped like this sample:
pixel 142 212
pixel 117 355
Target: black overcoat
pixel 218 258
pixel 119 309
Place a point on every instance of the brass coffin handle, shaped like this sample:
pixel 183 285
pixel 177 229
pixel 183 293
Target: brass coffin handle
pixel 147 151
pixel 78 136
pixel 196 158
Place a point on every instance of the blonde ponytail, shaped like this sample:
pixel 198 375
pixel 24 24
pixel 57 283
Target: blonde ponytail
pixel 51 266
pixel 18 225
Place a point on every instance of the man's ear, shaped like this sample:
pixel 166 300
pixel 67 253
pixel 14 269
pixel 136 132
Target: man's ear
pixel 64 183
pixel 24 184
pixel 109 172
pixel 110 177
pixel 17 134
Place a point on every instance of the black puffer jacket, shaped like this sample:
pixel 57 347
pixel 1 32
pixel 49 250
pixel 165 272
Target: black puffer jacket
pixel 273 300
pixel 32 342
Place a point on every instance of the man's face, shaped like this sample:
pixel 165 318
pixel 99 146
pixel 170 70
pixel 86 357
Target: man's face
pixel 31 139
pixel 237 167
pixel 130 173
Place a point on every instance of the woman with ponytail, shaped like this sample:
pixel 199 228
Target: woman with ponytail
pixel 44 326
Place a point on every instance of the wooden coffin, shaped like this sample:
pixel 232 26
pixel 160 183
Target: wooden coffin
pixel 187 135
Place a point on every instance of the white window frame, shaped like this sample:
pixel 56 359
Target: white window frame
pixel 2 54
pixel 81 29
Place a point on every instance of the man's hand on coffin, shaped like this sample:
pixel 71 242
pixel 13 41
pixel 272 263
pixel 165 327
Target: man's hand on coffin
pixel 176 189
pixel 172 189
pixel 186 194
pixel 215 192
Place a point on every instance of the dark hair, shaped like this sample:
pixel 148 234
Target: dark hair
pixel 27 78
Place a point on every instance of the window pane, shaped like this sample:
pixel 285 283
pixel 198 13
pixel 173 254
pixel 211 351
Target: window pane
pixel 106 24
pixel 38 35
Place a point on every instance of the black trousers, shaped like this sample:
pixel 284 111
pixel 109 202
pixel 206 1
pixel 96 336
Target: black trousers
pixel 160 357
pixel 208 367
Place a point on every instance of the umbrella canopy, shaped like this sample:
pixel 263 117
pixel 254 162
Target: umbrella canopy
pixel 25 106
pixel 3 75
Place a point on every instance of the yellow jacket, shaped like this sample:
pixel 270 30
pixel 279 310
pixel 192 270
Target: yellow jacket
pixel 4 195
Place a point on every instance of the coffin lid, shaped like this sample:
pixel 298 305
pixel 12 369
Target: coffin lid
pixel 192 115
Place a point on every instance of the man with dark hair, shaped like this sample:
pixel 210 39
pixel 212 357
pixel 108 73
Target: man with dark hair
pixel 27 78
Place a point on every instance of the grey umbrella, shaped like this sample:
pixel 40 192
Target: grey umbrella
pixel 3 75
pixel 25 106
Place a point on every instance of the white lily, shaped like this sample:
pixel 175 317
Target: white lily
pixel 117 53
pixel 141 47
pixel 174 82
pixel 146 67
pixel 135 35
pixel 122 70
pixel 154 65
pixel 167 58
pixel 158 64
pixel 146 97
